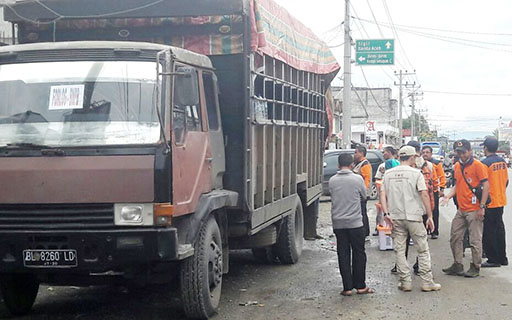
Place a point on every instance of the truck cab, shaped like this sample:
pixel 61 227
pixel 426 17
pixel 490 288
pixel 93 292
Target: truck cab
pixel 107 145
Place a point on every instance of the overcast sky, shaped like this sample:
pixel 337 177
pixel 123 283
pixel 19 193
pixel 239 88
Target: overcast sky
pixel 446 66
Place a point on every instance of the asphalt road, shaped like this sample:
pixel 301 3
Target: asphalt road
pixel 307 290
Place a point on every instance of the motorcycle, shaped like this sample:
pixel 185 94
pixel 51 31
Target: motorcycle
pixel 448 172
pixel 449 180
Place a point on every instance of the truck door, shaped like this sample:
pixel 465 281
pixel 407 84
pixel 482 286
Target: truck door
pixel 191 155
pixel 214 128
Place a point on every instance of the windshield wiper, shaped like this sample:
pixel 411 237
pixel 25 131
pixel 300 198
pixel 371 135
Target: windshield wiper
pixel 45 150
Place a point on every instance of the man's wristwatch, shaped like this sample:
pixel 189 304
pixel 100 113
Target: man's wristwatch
pixel 385 214
pixel 482 206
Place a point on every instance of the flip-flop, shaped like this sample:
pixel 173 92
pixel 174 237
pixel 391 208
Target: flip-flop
pixel 366 290
pixel 346 293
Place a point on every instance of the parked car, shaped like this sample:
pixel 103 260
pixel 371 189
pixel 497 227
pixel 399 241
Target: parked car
pixel 331 167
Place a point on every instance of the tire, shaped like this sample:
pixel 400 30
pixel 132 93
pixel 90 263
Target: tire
pixel 374 192
pixel 201 274
pixel 19 292
pixel 291 236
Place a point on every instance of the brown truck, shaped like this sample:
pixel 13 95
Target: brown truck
pixel 142 140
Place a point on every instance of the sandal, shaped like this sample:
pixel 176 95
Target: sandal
pixel 366 290
pixel 347 293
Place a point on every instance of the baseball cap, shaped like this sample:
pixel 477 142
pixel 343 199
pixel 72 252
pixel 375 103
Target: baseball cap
pixel 415 144
pixel 491 143
pixel 462 145
pixel 407 151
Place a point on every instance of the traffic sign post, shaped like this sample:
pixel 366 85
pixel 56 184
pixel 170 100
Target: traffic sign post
pixel 375 52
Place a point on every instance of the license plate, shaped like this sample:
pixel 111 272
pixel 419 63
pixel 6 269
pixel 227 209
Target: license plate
pixel 50 258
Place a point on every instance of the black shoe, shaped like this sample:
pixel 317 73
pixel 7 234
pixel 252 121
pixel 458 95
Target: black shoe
pixel 488 264
pixel 434 236
pixel 505 263
pixel 394 271
pixel 416 269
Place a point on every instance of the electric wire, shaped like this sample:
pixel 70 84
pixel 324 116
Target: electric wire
pixel 437 35
pixel 371 92
pixel 470 93
pixel 446 30
pixel 455 40
pixel 375 19
pixel 390 18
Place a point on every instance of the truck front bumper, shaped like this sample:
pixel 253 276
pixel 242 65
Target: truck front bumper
pixel 97 250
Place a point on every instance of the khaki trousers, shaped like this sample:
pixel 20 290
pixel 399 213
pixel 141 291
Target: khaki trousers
pixel 418 233
pixel 460 223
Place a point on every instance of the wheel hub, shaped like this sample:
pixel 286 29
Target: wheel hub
pixel 215 265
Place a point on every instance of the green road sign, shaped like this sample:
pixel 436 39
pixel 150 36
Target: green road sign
pixel 380 45
pixel 384 58
pixel 375 52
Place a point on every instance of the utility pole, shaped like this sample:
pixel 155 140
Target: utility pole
pixel 347 83
pixel 420 112
pixel 401 84
pixel 413 95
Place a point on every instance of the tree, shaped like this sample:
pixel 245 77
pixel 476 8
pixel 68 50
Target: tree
pixel 496 133
pixel 417 118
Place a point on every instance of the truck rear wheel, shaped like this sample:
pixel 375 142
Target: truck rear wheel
pixel 19 292
pixel 201 274
pixel 290 238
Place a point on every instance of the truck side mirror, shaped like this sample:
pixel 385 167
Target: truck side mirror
pixel 186 87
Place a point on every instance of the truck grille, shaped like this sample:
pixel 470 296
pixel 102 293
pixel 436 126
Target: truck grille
pixel 56 216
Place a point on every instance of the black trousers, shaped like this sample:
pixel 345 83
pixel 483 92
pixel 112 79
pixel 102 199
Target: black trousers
pixel 366 222
pixel 493 239
pixel 435 213
pixel 351 257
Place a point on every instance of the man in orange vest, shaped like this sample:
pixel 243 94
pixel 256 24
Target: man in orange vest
pixel 439 185
pixel 470 175
pixel 493 239
pixel 363 167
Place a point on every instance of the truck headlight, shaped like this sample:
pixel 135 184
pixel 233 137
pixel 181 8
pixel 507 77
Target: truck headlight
pixel 137 214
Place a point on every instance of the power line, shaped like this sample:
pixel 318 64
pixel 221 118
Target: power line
pixel 371 92
pixel 455 40
pixel 437 35
pixel 362 26
pixel 336 46
pixel 368 36
pixel 360 100
pixel 470 93
pixel 446 30
pixel 374 18
pixel 396 33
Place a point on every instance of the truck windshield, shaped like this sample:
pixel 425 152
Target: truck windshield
pixel 82 103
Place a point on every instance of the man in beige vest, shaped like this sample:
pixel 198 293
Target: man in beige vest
pixel 405 199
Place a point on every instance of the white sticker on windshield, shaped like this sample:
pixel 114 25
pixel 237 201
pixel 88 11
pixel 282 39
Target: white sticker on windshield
pixel 66 97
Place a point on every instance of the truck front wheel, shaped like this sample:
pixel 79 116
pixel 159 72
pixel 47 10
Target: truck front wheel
pixel 201 274
pixel 291 236
pixel 19 292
